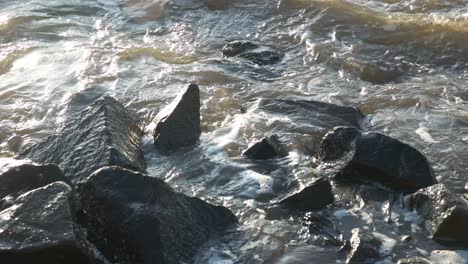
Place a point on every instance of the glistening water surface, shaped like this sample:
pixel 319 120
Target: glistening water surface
pixel 403 63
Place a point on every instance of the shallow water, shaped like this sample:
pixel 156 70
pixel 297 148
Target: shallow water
pixel 403 63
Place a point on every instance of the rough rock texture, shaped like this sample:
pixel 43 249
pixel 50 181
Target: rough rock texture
pixel 266 148
pixel 103 134
pixel 301 123
pixel 413 260
pixel 323 231
pixel 365 248
pixel 27 177
pixel 445 213
pixel 39 228
pixel 178 125
pixel 253 52
pixel 316 196
pixel 348 153
pixel 144 220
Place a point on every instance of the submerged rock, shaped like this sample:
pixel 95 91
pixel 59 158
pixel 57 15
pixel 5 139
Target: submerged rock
pixel 445 213
pixel 365 248
pixel 377 73
pixel 143 220
pixel 347 153
pixel 103 134
pixel 316 196
pixel 26 177
pixel 266 148
pixel 39 228
pixel 323 231
pixel 301 123
pixel 253 52
pixel 178 125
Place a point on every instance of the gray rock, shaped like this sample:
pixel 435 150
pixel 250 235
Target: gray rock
pixel 445 213
pixel 253 52
pixel 39 228
pixel 346 153
pixel 449 257
pixel 103 134
pixel 316 196
pixel 365 248
pixel 302 123
pixel 143 220
pixel 413 260
pixel 266 148
pixel 178 125
pixel 26 177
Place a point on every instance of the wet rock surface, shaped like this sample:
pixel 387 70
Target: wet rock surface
pixel 364 247
pixel 377 73
pixel 303 123
pixel 317 196
pixel 26 177
pixel 178 125
pixel 349 154
pixel 413 260
pixel 39 228
pixel 103 134
pixel 266 148
pixel 253 52
pixel 144 220
pixel 445 213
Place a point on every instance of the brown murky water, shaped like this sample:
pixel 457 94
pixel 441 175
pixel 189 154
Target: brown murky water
pixel 403 63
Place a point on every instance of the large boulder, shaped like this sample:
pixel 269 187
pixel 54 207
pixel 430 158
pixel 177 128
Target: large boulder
pixel 103 134
pixel 347 153
pixel 39 228
pixel 365 247
pixel 299 122
pixel 133 218
pixel 253 52
pixel 26 177
pixel 445 213
pixel 317 196
pixel 178 125
pixel 266 148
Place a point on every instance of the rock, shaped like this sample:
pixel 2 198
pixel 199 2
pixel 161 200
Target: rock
pixel 323 231
pixel 300 123
pixel 449 257
pixel 267 148
pixel 253 52
pixel 103 134
pixel 143 220
pixel 347 153
pixel 26 177
pixel 445 213
pixel 178 125
pixel 316 196
pixel 377 73
pixel 365 248
pixel 413 260
pixel 39 228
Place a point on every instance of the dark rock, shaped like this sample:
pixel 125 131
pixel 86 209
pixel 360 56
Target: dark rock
pixel 316 196
pixel 303 123
pixel 323 231
pixel 267 148
pixel 143 220
pixel 445 213
pixel 253 52
pixel 26 177
pixel 178 125
pixel 39 228
pixel 377 73
pixel 365 248
pixel 413 260
pixel 348 153
pixel 103 134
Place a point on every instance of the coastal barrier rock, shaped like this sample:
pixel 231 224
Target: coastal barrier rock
pixel 253 52
pixel 346 153
pixel 143 220
pixel 301 123
pixel 103 134
pixel 266 148
pixel 26 177
pixel 178 125
pixel 317 196
pixel 39 228
pixel 445 213
pixel 365 247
